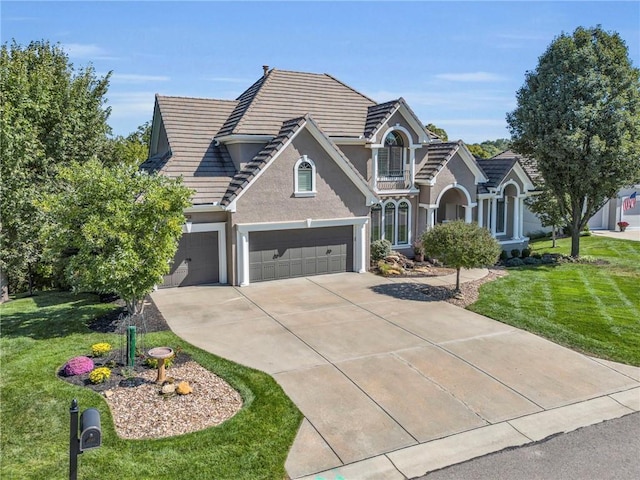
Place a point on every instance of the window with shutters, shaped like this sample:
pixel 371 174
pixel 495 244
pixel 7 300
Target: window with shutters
pixel 304 177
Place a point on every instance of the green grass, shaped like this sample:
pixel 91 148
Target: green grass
pixel 39 334
pixel 591 308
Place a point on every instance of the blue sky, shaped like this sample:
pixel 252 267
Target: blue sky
pixel 458 64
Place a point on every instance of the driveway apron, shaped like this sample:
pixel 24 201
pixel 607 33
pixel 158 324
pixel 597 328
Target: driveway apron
pixel 384 376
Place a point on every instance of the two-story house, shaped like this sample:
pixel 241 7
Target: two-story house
pixel 301 172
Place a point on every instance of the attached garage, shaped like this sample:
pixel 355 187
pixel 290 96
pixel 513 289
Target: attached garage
pixel 292 253
pixel 196 262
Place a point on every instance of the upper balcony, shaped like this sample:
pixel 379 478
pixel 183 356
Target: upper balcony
pixel 400 180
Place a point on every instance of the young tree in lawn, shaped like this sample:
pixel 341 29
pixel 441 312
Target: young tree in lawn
pixel 546 207
pixel 51 115
pixel 115 228
pixel 578 115
pixel 459 245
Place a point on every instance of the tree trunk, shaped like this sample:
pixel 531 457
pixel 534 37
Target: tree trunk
pixel 30 275
pixel 458 279
pixel 575 234
pixel 135 306
pixel 4 286
pixel 553 237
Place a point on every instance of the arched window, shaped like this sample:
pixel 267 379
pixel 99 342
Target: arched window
pixel 390 222
pixel 391 156
pixel 376 223
pixel 403 223
pixel 305 177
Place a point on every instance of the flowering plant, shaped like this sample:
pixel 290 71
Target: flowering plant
pixel 100 375
pixel 100 349
pixel 77 366
pixel 623 224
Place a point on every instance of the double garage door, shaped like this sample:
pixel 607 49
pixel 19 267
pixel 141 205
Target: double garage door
pixel 195 262
pixel 281 254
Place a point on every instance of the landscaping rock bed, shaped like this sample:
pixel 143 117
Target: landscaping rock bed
pixel 139 408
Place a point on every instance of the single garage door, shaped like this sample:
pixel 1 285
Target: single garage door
pixel 195 262
pixel 299 253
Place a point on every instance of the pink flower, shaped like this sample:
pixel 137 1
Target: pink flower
pixel 77 366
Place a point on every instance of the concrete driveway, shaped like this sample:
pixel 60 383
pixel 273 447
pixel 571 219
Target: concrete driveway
pixel 393 385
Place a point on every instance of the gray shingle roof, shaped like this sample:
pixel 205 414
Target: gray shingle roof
pixel 377 115
pixel 438 154
pixel 191 124
pixel 528 164
pixel 338 109
pixel 495 169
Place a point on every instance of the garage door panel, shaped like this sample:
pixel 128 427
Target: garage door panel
pixel 302 252
pixel 195 262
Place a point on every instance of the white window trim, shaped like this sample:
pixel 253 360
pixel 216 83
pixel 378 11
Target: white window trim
pixel 296 191
pixel 383 225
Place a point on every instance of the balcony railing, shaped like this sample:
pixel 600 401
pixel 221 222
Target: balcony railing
pixel 399 181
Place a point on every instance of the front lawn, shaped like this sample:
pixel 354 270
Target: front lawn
pixel 589 307
pixel 39 334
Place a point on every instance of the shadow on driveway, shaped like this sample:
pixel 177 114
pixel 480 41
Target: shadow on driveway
pixel 415 291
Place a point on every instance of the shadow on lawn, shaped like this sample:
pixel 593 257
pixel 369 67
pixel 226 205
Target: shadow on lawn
pixel 59 314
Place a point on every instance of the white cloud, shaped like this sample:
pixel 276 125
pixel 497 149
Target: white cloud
pixel 471 77
pixel 131 104
pixel 86 50
pixel 135 78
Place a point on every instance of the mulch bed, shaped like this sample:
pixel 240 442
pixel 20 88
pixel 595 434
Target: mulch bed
pixel 117 321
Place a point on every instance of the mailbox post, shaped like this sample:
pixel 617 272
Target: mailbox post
pixel 90 435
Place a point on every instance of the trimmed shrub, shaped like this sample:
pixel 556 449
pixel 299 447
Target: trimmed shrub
pixel 515 253
pixel 100 349
pixel 504 255
pixel 77 366
pixel 514 262
pixel 100 375
pixel 532 261
pixel 380 249
pixel 525 252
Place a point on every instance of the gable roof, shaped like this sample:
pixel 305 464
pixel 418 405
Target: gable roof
pixel 498 167
pixel 288 131
pixel 439 154
pixel 378 114
pixel 528 164
pixel 496 170
pixel 280 95
pixel 191 124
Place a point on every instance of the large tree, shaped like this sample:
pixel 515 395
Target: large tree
pixel 459 245
pixel 132 149
pixel 545 206
pixel 51 115
pixel 578 115
pixel 115 228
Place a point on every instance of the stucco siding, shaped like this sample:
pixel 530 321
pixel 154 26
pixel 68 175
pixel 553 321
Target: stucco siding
pixel 512 177
pixel 455 171
pixel 360 157
pixel 397 119
pixel 271 197
pixel 242 153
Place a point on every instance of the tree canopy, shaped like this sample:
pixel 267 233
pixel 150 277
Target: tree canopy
pixel 578 116
pixel 440 132
pixel 114 228
pixel 51 115
pixel 459 245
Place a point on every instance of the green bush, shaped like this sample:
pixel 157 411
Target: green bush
pixel 514 262
pixel 504 256
pixel 515 253
pixel 525 252
pixel 380 249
